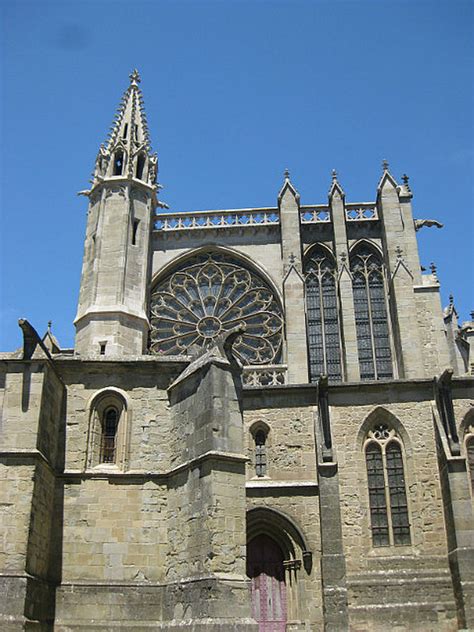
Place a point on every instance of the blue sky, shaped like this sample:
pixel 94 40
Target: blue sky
pixel 234 92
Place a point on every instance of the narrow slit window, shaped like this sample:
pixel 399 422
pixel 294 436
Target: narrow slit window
pixel 260 453
pixel 140 166
pixel 102 348
pixel 136 222
pixel 109 436
pixel 93 246
pixel 118 163
pixel 125 131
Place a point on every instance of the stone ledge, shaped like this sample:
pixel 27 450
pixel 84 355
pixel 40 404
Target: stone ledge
pixel 139 474
pixel 279 484
pixel 448 605
pixel 206 625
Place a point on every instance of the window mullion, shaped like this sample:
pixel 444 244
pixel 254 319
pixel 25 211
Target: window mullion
pixel 387 496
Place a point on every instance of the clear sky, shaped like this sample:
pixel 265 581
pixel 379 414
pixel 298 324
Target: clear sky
pixel 235 92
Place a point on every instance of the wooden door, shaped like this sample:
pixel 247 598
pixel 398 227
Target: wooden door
pixel 265 569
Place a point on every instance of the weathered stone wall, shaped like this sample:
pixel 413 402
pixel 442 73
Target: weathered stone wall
pixel 434 347
pixel 16 487
pixel 147 416
pixel 114 529
pixel 380 579
pixel 290 442
pixel 30 442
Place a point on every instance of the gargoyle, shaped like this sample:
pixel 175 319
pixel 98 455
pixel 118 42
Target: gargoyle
pixel 419 223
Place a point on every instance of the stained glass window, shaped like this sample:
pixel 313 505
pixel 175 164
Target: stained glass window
pixel 377 500
pixel 324 344
pixel 398 498
pixel 108 436
pixel 389 519
pixel 208 295
pixel 373 339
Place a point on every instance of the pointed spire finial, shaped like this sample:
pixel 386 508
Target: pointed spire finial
pixel 287 174
pixel 451 299
pixel 292 259
pixel 399 252
pixel 134 77
pixel 472 315
pixel 334 175
pixel 50 324
pixel 385 165
pixel 433 269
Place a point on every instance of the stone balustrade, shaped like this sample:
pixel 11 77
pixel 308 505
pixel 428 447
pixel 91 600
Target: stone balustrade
pixel 361 212
pixel 314 214
pixel 255 217
pixel 269 375
pixel 237 218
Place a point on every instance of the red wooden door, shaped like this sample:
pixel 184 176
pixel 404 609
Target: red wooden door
pixel 265 569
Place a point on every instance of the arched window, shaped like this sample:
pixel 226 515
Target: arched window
pixel 389 518
pixel 210 294
pixel 260 453
pixel 107 430
pixel 324 344
pixel 373 339
pixel 118 163
pixel 108 439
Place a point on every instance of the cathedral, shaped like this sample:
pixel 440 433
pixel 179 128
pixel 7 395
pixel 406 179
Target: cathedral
pixel 266 423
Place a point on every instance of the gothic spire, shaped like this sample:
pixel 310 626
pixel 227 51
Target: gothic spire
pixel 127 151
pixel 130 119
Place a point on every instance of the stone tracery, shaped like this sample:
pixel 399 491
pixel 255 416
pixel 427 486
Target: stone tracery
pixel 208 295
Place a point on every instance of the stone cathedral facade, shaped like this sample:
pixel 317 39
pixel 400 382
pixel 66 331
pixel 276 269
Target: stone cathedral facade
pixel 266 423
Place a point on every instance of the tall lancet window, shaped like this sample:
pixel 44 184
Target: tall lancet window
pixel 324 342
pixel 109 435
pixel 389 518
pixel 373 338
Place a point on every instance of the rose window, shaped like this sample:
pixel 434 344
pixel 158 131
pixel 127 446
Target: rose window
pixel 209 295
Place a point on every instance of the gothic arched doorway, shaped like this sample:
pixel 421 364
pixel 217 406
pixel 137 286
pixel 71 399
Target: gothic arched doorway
pixel 267 574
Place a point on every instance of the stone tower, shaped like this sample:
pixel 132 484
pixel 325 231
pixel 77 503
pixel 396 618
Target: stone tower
pixel 111 318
